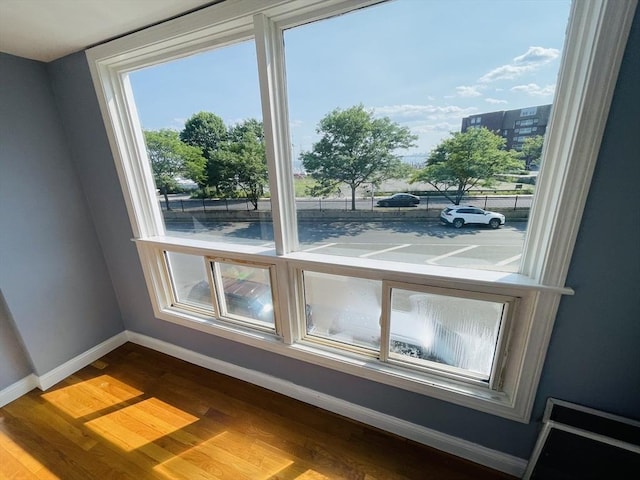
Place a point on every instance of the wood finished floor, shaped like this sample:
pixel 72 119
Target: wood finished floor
pixel 139 414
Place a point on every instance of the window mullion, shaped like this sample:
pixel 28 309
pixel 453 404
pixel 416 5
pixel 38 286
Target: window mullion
pixel 270 55
pixel 209 266
pixel 385 322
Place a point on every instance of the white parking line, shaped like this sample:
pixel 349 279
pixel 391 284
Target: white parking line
pixel 319 247
pixel 509 260
pixel 385 250
pixel 455 252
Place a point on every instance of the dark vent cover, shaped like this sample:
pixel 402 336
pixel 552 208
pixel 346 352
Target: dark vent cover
pixel 580 443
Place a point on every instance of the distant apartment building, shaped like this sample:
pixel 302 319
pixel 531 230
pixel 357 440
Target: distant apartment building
pixel 513 125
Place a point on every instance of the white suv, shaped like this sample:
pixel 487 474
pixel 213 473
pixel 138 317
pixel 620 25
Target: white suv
pixel 459 215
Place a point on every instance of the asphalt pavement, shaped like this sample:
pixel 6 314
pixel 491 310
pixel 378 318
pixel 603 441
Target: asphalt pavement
pixel 408 242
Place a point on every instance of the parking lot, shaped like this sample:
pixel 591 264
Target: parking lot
pixel 408 242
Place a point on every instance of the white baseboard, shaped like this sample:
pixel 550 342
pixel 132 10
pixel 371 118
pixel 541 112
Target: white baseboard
pixel 70 367
pixel 47 380
pixel 432 438
pixel 17 389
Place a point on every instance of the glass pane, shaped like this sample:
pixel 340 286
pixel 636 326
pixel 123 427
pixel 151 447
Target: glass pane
pixel 343 309
pixel 246 293
pixel 189 277
pixel 453 331
pixel 202 123
pixel 384 102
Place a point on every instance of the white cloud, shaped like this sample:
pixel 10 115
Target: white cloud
pixel 535 90
pixel 537 55
pixel 531 60
pixel 468 91
pixel 445 127
pixel 177 123
pixel 233 121
pixel 494 100
pixel 506 72
pixel 428 111
pixel 430 122
pixel 296 123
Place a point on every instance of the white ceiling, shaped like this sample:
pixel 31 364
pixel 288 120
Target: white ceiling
pixel 49 29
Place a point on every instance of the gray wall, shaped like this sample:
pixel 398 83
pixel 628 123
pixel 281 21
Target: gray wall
pixel 593 357
pixel 52 271
pixel 14 363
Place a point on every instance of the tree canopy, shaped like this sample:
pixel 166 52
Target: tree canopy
pixel 532 151
pixel 171 158
pixel 242 161
pixel 467 159
pixel 355 148
pixel 207 131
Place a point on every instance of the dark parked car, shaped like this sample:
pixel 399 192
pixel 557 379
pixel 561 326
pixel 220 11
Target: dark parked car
pixel 399 200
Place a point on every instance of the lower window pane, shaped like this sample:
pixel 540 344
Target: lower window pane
pixel 454 331
pixel 246 293
pixel 343 309
pixel 189 278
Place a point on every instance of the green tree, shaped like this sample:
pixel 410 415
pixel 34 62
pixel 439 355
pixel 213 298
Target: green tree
pixel 251 126
pixel 355 148
pixel 467 159
pixel 171 158
pixel 207 131
pixel 531 151
pixel 243 162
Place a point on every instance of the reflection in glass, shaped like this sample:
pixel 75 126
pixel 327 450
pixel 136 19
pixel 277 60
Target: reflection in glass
pixel 343 309
pixel 454 331
pixel 189 279
pixel 245 292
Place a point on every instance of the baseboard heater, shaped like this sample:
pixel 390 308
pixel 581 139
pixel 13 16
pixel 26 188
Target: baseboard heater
pixel 581 443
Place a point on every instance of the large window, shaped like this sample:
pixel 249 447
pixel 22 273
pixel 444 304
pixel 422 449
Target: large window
pixel 292 240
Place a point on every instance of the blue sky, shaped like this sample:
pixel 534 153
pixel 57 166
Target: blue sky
pixel 425 64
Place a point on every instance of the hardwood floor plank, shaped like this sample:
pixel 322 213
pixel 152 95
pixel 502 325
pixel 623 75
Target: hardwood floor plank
pixel 76 435
pixel 139 414
pixel 33 432
pixel 18 466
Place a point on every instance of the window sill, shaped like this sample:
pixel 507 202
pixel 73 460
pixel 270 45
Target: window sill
pixel 451 277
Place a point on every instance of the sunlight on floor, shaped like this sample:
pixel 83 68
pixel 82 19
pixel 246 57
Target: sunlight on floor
pixel 137 425
pixel 227 455
pixel 15 462
pixel 313 475
pixel 90 396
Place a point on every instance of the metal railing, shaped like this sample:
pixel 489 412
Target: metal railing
pixel 428 202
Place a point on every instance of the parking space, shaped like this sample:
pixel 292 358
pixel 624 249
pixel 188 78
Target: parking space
pixel 405 242
pixel 500 257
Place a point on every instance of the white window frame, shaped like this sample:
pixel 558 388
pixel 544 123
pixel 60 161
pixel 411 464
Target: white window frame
pixel 595 43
